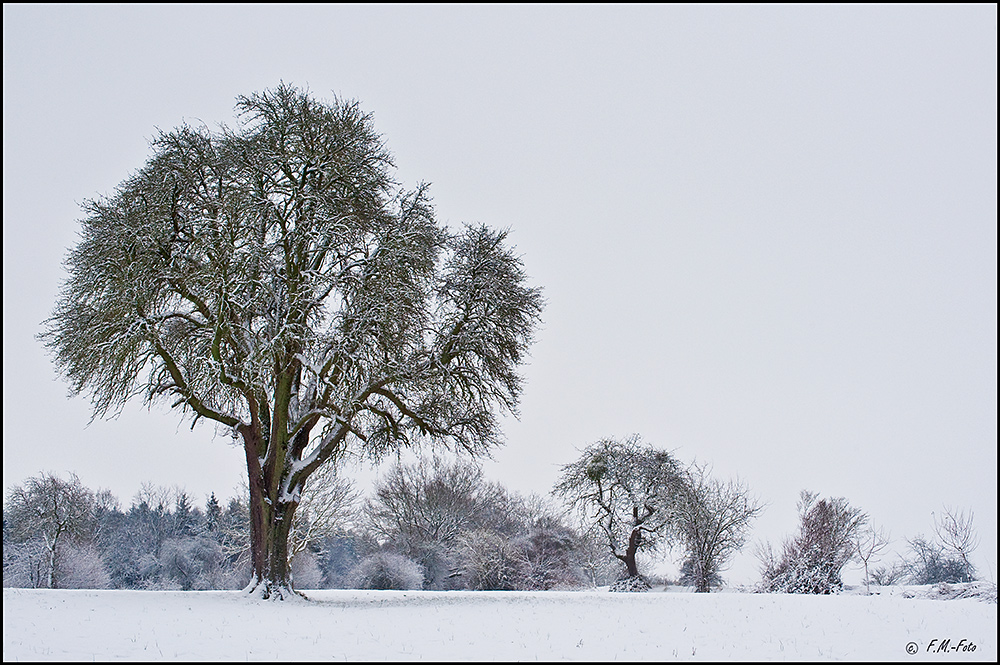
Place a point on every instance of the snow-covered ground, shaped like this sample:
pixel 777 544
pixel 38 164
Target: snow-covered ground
pixel 483 626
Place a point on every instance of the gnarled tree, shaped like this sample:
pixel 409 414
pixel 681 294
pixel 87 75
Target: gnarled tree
pixel 627 491
pixel 274 279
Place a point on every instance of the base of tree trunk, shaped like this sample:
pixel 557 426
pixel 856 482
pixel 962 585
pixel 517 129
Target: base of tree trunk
pixel 631 585
pixel 273 591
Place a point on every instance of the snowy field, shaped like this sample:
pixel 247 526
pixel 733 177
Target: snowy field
pixel 485 626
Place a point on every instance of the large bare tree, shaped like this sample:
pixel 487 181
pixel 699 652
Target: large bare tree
pixel 275 279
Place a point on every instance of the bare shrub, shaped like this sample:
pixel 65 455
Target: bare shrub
pixel 427 510
pixel 492 562
pixel 931 563
pixel 549 551
pixel 191 563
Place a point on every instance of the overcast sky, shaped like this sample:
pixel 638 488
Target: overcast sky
pixel 766 234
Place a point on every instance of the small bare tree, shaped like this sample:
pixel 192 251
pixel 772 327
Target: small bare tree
pixel 714 519
pixel 55 510
pixel 429 501
pixel 869 543
pixel 491 561
pixel 325 509
pixel 955 532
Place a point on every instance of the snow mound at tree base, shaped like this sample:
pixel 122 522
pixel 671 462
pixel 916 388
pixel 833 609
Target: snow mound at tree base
pixel 630 585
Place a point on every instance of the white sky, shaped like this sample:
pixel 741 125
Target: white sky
pixel 766 234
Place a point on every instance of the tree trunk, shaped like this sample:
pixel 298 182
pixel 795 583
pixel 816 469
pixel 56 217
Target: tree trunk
pixel 270 526
pixel 53 578
pixel 633 545
pixel 702 585
pixel 272 576
pixel 251 446
pixel 276 580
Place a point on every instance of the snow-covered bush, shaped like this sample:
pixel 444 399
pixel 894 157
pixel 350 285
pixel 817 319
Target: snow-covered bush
pixel 440 563
pixel 192 563
pixel 25 565
pixel 811 562
pixel 549 550
pixel 306 571
pixel 387 570
pixel 81 567
pixel 802 574
pixel 427 510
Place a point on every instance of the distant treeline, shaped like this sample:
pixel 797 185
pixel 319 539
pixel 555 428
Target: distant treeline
pixel 432 525
pixel 438 524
